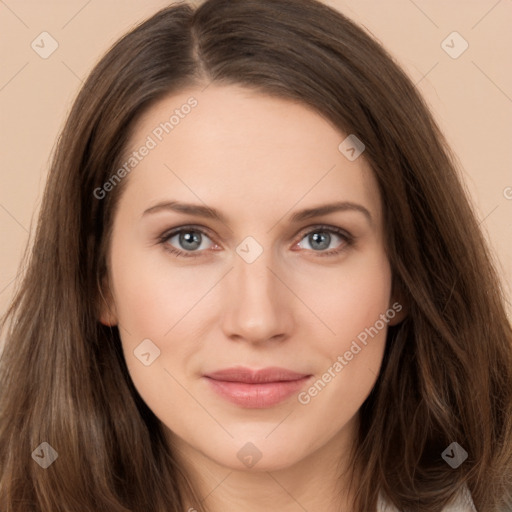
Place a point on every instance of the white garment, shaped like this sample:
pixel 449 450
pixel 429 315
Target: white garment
pixel 464 503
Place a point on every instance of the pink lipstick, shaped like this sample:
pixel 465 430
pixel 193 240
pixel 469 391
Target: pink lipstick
pixel 256 389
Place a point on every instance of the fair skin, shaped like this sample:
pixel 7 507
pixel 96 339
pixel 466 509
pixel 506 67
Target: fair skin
pixel 257 160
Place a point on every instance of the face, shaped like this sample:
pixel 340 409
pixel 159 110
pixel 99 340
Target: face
pixel 252 325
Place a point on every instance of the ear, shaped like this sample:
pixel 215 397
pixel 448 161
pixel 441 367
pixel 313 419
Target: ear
pixel 397 311
pixel 107 307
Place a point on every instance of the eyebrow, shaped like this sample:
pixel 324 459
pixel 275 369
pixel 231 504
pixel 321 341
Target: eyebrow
pixel 211 213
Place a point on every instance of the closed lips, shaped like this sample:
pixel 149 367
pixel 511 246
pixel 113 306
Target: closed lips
pixel 256 389
pixel 248 376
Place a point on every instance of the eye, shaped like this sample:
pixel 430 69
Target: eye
pixel 188 241
pixel 188 238
pixel 321 237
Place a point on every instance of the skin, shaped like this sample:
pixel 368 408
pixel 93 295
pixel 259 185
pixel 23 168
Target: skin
pixel 257 159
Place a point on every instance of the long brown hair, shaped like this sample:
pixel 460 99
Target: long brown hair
pixel 447 370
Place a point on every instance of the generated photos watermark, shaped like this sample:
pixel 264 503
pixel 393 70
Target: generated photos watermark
pixel 361 341
pixel 152 141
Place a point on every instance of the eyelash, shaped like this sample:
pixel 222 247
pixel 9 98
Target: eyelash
pixel 346 237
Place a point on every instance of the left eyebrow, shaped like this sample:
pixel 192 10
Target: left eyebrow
pixel 211 213
pixel 318 211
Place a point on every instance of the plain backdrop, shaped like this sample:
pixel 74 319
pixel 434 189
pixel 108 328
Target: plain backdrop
pixel 469 92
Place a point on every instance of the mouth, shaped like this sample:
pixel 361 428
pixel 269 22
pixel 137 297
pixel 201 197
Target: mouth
pixel 256 389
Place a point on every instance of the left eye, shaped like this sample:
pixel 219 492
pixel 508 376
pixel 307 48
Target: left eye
pixel 191 241
pixel 320 239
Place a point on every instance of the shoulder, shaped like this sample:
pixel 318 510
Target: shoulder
pixel 463 503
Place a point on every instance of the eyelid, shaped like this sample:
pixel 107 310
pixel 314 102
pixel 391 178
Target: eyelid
pixel 325 227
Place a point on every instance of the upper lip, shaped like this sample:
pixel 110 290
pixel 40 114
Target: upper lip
pixel 250 376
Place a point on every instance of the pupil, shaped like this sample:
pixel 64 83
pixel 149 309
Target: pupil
pixel 188 238
pixel 318 238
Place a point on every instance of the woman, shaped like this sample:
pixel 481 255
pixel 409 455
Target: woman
pixel 256 283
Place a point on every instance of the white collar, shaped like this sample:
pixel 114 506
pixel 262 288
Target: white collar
pixel 463 503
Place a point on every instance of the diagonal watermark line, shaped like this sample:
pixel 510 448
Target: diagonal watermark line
pixel 14 76
pixel 13 218
pixel 212 287
pixel 3 3
pixel 424 14
pixel 76 14
pixel 216 487
pixel 492 81
pixel 193 192
pixel 291 412
pixel 199 403
pixel 119 327
pixel 499 1
pixel 301 198
pixel 206 86
pixel 489 214
pixel 334 334
pixel 80 79
pixel 286 491
pixel 372 371
pixel 72 71
pixel 8 284
pixel 418 82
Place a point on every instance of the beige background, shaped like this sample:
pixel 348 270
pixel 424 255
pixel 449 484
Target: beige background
pixel 471 96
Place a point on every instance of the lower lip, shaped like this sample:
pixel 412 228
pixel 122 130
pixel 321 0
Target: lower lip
pixel 257 396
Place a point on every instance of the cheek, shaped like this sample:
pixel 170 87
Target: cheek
pixel 167 305
pixel 350 359
pixel 152 295
pixel 353 305
pixel 352 298
pixel 156 304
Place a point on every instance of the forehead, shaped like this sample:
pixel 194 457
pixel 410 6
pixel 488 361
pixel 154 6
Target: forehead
pixel 233 148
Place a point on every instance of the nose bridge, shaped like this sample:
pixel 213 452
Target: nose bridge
pixel 258 305
pixel 253 282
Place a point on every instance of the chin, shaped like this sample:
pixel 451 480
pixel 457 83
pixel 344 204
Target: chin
pixel 257 454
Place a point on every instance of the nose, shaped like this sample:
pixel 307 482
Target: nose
pixel 258 305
